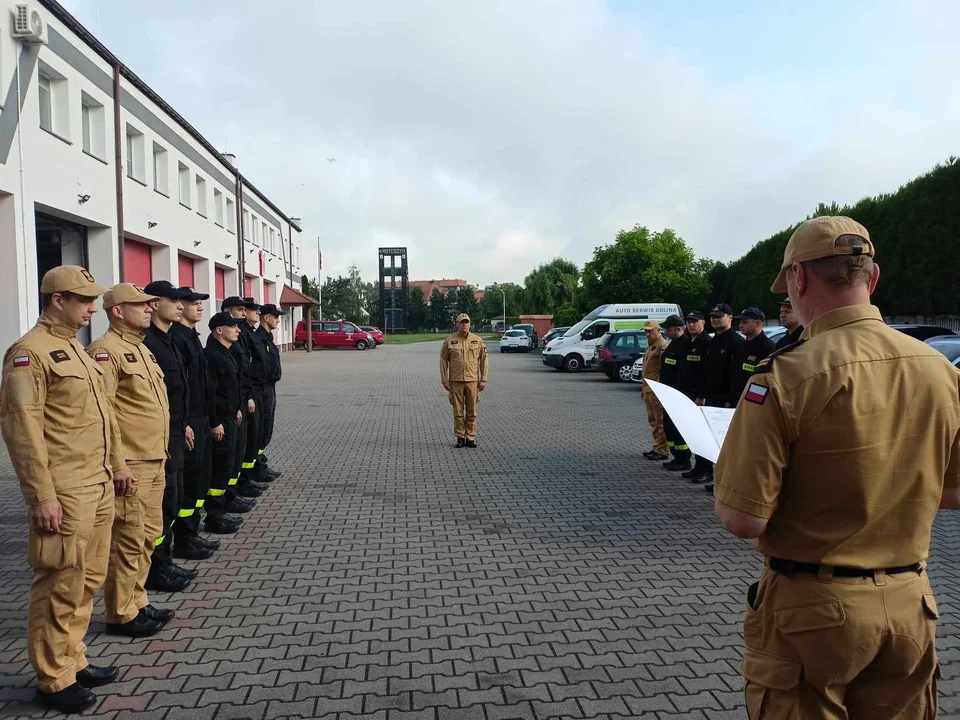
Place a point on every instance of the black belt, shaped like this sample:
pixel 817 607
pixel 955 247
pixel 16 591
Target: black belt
pixel 789 566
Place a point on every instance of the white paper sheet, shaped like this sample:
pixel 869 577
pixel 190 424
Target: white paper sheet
pixel 703 428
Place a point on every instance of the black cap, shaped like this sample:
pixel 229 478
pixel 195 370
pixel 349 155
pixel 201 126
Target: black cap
pixel 751 313
pixel 721 309
pixel 271 309
pixel 193 296
pixel 165 289
pixel 232 302
pixel 694 315
pixel 672 322
pixel 223 319
pixel 786 301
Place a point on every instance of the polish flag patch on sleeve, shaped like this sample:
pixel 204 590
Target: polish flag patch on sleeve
pixel 102 357
pixel 21 361
pixel 756 393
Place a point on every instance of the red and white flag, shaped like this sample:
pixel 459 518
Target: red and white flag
pixel 756 393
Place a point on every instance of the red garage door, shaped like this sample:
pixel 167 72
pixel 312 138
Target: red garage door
pixel 267 292
pixel 186 271
pixel 137 263
pixel 248 286
pixel 220 282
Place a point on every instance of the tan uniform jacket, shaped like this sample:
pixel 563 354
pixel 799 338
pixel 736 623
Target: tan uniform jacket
pixel 54 414
pixel 652 360
pixel 463 359
pixel 137 394
pixel 845 442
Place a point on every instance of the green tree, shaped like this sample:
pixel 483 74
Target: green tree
pixel 566 315
pixel 418 310
pixel 465 301
pixel 440 311
pixel 309 287
pixel 492 304
pixel 641 266
pixel 337 296
pixel 549 286
pixel 371 295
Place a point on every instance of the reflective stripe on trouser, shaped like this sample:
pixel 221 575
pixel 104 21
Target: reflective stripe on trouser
pixel 269 415
pixel 253 435
pixel 831 647
pixel 655 418
pixel 138 521
pixel 464 397
pixel 172 493
pixel 675 441
pixel 66 576
pixel 197 464
pixel 224 456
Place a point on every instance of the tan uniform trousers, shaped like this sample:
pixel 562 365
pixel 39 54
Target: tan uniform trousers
pixel 655 418
pixel 838 648
pixel 69 567
pixel 464 397
pixel 137 523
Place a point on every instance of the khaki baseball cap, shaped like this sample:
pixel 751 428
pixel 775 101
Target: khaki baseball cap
pixel 71 278
pixel 463 316
pixel 817 238
pixel 651 325
pixel 125 293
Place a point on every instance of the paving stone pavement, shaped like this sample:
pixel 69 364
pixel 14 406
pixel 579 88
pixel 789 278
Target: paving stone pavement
pixel 550 573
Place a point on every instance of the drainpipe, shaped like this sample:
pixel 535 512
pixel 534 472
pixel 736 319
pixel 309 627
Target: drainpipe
pixel 241 250
pixel 118 163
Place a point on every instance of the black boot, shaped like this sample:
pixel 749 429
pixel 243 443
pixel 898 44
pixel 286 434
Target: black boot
pixel 222 524
pixel 188 573
pixel 677 464
pixel 140 627
pixel 212 544
pixel 163 578
pixel 190 548
pixel 92 676
pixel 249 489
pixel 461 442
pixel 160 616
pixel 73 699
pixel 237 504
pixel 470 443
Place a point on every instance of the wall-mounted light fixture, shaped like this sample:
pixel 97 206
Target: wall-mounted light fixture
pixel 227 256
pixel 82 198
pixel 197 242
pixel 151 224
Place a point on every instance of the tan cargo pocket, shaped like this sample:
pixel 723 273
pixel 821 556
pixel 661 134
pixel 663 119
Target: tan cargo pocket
pixel 812 617
pixel 54 550
pixel 127 507
pixel 450 398
pixel 771 683
pixel 930 605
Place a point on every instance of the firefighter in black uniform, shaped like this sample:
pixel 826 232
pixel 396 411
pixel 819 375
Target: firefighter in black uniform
pixel 236 503
pixel 187 542
pixel 671 361
pixel 756 348
pixel 248 487
pixel 168 309
pixel 789 319
pixel 691 371
pixel 269 320
pixel 223 383
pixel 718 373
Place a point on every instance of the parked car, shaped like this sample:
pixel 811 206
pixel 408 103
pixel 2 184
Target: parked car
pixel 775 332
pixel 949 345
pixel 375 333
pixel 617 352
pixel 531 332
pixel 516 340
pixel 636 372
pixel 551 334
pixel 334 334
pixel 922 332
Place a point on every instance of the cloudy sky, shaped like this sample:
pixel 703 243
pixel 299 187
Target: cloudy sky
pixel 489 136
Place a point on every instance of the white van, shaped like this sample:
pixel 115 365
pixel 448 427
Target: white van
pixel 573 351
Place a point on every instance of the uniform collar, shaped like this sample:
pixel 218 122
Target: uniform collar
pixel 57 328
pixel 840 317
pixel 158 333
pixel 134 338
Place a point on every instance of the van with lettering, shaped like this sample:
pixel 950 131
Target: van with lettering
pixel 575 348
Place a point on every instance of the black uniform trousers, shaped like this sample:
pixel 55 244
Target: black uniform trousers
pixel 196 480
pixel 223 463
pixel 172 494
pixel 252 447
pixel 704 465
pixel 269 413
pixel 678 446
pixel 240 449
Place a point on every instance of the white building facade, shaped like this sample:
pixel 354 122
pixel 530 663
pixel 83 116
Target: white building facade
pixel 97 170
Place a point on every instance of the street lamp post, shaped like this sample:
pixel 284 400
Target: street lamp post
pixel 503 292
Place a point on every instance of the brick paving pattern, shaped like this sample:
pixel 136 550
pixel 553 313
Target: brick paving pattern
pixel 550 573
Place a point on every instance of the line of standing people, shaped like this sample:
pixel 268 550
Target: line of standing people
pixel 121 448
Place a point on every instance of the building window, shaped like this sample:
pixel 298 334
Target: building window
pixel 273 241
pixel 161 173
pixel 54 102
pixel 184 173
pixel 46 102
pixel 231 216
pixel 93 125
pixel 201 196
pixel 218 207
pixel 263 234
pixel 246 225
pixel 135 144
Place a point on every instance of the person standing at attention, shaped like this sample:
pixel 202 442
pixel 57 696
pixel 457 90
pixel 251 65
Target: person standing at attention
pixel 656 346
pixel 841 451
pixel 463 374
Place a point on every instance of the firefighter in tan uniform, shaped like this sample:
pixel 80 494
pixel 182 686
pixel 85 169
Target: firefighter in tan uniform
pixel 138 396
pixel 57 425
pixel 463 373
pixel 842 448
pixel 656 344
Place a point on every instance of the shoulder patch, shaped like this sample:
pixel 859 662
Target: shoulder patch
pixel 153 357
pixel 59 355
pixel 454 342
pixel 130 357
pixel 756 393
pixel 102 357
pixel 766 365
pixel 22 361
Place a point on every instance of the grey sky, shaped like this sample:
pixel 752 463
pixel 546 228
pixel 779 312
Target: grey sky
pixel 488 137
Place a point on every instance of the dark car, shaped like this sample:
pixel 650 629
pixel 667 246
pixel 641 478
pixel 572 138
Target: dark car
pixel 617 351
pixel 551 334
pixel 922 332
